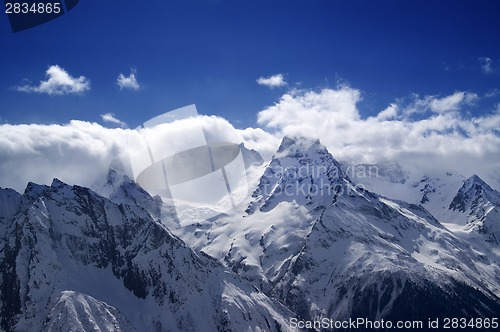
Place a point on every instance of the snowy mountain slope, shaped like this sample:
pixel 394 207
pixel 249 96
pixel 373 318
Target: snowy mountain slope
pixel 313 238
pixel 466 206
pixel 73 260
pixel 432 188
pixel 241 238
pixel 383 260
pixel 476 208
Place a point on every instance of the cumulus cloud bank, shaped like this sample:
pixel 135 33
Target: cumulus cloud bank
pixel 442 136
pixel 78 153
pixel 58 82
pixel 128 82
pixel 82 152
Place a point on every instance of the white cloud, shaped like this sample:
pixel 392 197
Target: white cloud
pixel 308 107
pixel 129 82
pixel 272 81
pixel 58 82
pixel 110 117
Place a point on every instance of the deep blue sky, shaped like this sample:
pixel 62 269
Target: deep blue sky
pixel 211 53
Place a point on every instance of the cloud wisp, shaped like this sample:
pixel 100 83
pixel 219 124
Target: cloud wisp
pixel 274 81
pixel 453 102
pixel 486 65
pixel 128 82
pixel 111 118
pixel 58 82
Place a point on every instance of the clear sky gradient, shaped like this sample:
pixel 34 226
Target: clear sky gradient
pixel 212 52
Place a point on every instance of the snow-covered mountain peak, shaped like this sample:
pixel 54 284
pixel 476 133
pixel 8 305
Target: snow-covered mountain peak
pixel 473 193
pixel 476 183
pixel 58 185
pixel 250 156
pixel 296 147
pixel 114 178
pixel 121 189
pixel 476 208
pixel 106 186
pixel 34 189
pixel 475 179
pixel 301 171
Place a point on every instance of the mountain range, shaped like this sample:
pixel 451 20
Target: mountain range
pixel 315 238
